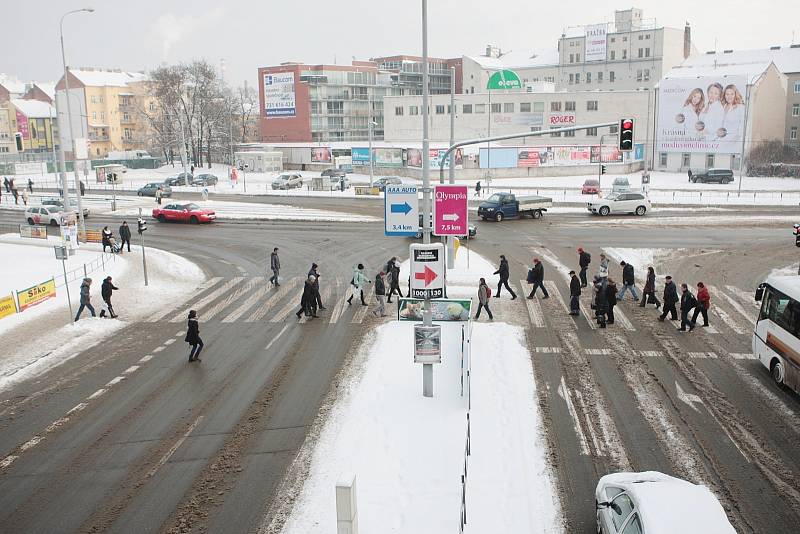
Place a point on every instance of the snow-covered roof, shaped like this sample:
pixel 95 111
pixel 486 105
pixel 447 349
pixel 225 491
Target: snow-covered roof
pixel 34 109
pixel 12 83
pixel 106 78
pixel 518 59
pixel 751 70
pixel 786 59
pixel 48 88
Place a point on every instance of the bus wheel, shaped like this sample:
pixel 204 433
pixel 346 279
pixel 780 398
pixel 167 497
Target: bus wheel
pixel 777 372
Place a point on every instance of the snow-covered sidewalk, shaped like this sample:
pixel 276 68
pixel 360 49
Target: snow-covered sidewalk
pixel 407 451
pixel 42 337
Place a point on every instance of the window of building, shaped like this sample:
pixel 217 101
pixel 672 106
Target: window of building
pixel 613 55
pixel 524 107
pixel 577 77
pixel 102 115
pixel 398 110
pixel 552 79
pixel 641 36
pixel 600 77
pixel 625 54
pixel 588 77
pixel 647 36
pixel 449 109
pixel 440 109
pixel 571 78
pixel 793 133
pixel 555 106
pixel 536 128
pixel 709 161
pixel 315 107
pixel 572 58
pixel 662 159
pixel 613 129
pixel 480 108
pixel 466 109
pixel 639 75
pixel 735 162
pixel 496 107
pixel 613 39
pixel 591 132
pixel 508 107
pixel 646 74
pixel 795 110
pixel 94 99
pixel 413 110
pixel 555 134
pixel 591 105
pixel 625 39
pixel 611 76
pixel 641 52
pixel 797 87
pixel 569 134
pixel 577 58
pixel 94 115
pixel 686 159
pixel 647 52
pixel 337 108
pixel 569 106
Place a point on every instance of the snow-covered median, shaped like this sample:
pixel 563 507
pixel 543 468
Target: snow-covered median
pixel 42 337
pixel 407 451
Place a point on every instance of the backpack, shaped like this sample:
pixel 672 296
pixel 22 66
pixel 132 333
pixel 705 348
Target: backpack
pixel 531 277
pixel 488 292
pixel 588 257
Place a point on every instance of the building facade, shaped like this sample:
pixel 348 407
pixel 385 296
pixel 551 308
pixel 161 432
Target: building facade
pixel 407 74
pixel 36 121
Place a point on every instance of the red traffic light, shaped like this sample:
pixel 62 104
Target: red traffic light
pixel 627 124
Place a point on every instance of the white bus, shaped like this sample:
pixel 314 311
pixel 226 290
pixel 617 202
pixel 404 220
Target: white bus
pixel 776 340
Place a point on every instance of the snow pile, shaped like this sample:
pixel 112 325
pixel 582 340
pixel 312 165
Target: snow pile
pixel 43 337
pixel 462 280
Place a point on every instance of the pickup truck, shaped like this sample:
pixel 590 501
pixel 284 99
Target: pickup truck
pixel 509 206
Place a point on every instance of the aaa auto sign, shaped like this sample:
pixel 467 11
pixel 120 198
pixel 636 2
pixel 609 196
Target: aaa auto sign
pixel 450 210
pixel 427 270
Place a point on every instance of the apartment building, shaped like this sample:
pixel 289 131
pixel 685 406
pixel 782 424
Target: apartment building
pixel 106 108
pixel 36 122
pixel 406 74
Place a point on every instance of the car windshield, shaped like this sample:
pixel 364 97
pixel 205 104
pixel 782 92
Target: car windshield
pixel 613 196
pixel 591 182
pixel 496 198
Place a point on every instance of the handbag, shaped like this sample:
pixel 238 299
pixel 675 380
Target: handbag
pixel 651 298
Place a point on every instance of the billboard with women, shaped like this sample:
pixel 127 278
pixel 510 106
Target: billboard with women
pixel 705 114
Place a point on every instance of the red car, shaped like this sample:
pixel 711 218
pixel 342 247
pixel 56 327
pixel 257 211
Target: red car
pixel 191 213
pixel 590 187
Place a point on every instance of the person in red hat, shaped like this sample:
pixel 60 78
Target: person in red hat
pixel 536 277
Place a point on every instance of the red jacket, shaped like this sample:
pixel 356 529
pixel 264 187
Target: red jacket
pixel 704 297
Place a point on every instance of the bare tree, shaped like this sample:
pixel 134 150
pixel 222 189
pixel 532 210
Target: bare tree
pixel 246 102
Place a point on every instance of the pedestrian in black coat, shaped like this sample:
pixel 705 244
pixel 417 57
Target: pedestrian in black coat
pixel 394 280
pixel 106 289
pixel 536 278
pixel 308 302
pixel 574 294
pixel 5 184
pixel 600 302
pixel 688 303
pixel 30 186
pixel 649 291
pixel 504 273
pixel 584 259
pixel 670 300
pixel 193 337
pixel 106 238
pixel 314 271
pixel 611 300
pixel 125 235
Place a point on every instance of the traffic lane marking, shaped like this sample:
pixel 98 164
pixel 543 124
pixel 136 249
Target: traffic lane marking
pixel 534 308
pixel 164 459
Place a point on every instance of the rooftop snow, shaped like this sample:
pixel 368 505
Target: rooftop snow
pixel 751 70
pixel 519 59
pixel 34 109
pixel 12 83
pixel 785 58
pixel 104 78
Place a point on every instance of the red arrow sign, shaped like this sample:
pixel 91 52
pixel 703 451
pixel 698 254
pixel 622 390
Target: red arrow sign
pixel 429 275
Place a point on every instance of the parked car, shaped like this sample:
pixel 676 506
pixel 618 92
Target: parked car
pixel 383 181
pixel 333 173
pixel 205 180
pixel 333 183
pixel 191 213
pixel 720 176
pixel 591 187
pixel 183 178
pixel 655 503
pixel 501 206
pixel 620 203
pixel 149 190
pixel 288 180
pixel 620 185
pixel 44 215
pixel 58 203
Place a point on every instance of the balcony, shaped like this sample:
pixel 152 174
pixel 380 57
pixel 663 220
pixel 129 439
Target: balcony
pixel 98 137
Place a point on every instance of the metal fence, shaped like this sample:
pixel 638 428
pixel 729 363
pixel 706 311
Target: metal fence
pixel 466 391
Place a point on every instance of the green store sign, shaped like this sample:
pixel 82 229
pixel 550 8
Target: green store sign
pixel 504 79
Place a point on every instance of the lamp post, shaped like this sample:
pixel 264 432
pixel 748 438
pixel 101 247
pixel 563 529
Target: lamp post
pixel 371 159
pixel 69 122
pixel 600 164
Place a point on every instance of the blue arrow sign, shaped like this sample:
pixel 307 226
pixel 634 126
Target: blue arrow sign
pixel 403 208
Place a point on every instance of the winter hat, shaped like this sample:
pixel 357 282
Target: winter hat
pixel 360 266
pixel 88 280
pixel 580 249
pixel 622 263
pixel 571 273
pixel 701 285
pixel 483 281
pixel 314 265
pixel 312 278
pixel 535 260
pixel 108 278
pixel 192 314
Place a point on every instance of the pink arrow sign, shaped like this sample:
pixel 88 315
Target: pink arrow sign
pixel 450 210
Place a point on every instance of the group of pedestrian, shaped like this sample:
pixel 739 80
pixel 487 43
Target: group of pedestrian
pixel 106 290
pixel 11 188
pixel 109 241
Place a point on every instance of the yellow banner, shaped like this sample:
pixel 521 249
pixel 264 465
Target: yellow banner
pixel 36 294
pixel 7 306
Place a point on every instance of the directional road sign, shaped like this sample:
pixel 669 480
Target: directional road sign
pixel 401 210
pixel 450 210
pixel 427 270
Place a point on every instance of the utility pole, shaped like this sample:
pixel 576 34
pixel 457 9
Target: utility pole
pixel 451 243
pixel 427 319
pixel 142 227
pixel 369 136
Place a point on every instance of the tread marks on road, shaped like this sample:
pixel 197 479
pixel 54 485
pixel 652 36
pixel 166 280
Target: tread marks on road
pixel 208 284
pixel 208 299
pixel 534 308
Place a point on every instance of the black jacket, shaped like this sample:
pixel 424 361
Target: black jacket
pixel 670 293
pixel 125 232
pixel 574 287
pixel 503 270
pixel 106 236
pixel 628 277
pixel 395 276
pixel 313 272
pixel 688 301
pixel 538 272
pixel 380 287
pixel 310 293
pixel 650 285
pixel 584 259
pixel 611 294
pixel 600 300
pixel 106 289
pixel 192 331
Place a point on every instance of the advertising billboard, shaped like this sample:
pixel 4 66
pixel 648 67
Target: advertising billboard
pixel 22 125
pixel 595 42
pixel 441 310
pixel 320 155
pixel 36 294
pixel 414 158
pixel 611 154
pixel 704 114
pixel 279 98
pixel 388 157
pixel 360 156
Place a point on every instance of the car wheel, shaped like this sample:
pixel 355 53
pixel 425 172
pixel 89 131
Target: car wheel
pixel 161 218
pixel 777 372
pixel 30 221
pixel 53 222
pixel 537 214
pixel 641 210
pixel 139 193
pixel 498 217
pixel 194 220
pixel 484 218
pixel 694 180
pixel 605 210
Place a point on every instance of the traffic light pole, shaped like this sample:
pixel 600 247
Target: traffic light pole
pixel 144 258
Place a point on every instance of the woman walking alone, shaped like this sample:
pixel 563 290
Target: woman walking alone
pixel 193 337
pixel 649 291
pixel 358 282
pixel 484 294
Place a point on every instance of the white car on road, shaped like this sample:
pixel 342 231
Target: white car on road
pixel 655 503
pixel 628 202
pixel 44 215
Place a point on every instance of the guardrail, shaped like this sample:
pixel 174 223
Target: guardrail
pixel 467 453
pixel 466 390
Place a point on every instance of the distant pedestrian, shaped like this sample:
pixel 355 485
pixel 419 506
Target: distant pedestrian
pixel 106 289
pixel 393 280
pixel 504 273
pixel 478 189
pixel 193 337
pixel 584 259
pixel 670 300
pixel 600 304
pixel 611 300
pixel 191 170
pixel 484 294
pixel 6 185
pixel 649 291
pixel 688 303
pixel 82 188
pixel 205 194
pixel 158 195
pixel 341 184
pixel 703 305
pixel 602 271
pixel 15 193
pixel 314 271
pixel 30 186
pixel 575 286
pixel 380 295
pixel 125 235
pixel 308 302
pixel 358 281
pixel 275 266
pixel 25 196
pixel 689 172
pixel 536 277
pixel 628 282
pixel 85 299
pixel 105 236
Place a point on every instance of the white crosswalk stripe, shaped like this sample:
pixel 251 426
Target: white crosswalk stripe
pixel 547 350
pixel 702 355
pixel 744 296
pixel 233 297
pixel 716 310
pixel 623 319
pixel 589 314
pixel 211 282
pixel 358 317
pixel 597 352
pixel 251 301
pixel 338 309
pixel 276 297
pixel 292 305
pixel 651 353
pixel 749 316
pixel 742 355
pixel 181 315
pixel 534 309
pixel 554 292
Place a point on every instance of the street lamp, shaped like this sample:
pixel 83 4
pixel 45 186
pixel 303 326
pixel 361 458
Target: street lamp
pixel 69 121
pixel 372 124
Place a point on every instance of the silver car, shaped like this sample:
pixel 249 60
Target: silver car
pixel 288 180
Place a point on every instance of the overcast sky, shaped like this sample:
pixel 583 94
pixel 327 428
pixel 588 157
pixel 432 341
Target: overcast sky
pixel 247 34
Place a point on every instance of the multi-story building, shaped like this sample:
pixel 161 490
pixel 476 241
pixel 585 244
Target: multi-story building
pixel 106 109
pixel 36 122
pixel 629 53
pixel 407 74
pixel 8 146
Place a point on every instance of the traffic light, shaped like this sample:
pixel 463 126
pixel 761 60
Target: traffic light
pixel 626 134
pixel 18 140
pixel 602 169
pixel 142 225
